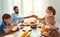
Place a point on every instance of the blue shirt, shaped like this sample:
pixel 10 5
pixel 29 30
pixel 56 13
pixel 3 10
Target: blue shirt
pixel 16 18
pixel 2 27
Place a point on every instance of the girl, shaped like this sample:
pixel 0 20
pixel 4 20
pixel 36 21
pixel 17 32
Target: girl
pixel 50 27
pixel 50 21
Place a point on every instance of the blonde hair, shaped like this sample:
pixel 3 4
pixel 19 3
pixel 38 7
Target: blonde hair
pixel 51 20
pixel 50 17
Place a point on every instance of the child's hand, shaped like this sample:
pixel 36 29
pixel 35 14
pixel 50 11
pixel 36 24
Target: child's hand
pixel 15 24
pixel 43 21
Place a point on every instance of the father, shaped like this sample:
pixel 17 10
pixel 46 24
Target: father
pixel 18 18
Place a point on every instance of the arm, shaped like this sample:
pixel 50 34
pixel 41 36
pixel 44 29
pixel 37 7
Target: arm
pixel 43 20
pixel 7 30
pixel 31 16
pixel 34 16
pixel 53 27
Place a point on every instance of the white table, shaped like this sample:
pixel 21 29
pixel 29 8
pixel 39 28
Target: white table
pixel 34 33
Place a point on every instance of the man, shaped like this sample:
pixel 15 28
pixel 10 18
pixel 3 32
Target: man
pixel 16 18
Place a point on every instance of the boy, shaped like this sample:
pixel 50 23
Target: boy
pixel 6 26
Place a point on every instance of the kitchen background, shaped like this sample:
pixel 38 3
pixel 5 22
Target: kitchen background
pixel 29 7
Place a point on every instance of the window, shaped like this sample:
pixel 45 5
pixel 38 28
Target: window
pixel 12 3
pixel 28 7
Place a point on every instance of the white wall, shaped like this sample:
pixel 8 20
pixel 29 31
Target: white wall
pixel 0 10
pixel 3 8
pixel 54 3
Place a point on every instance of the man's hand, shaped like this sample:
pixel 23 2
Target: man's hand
pixel 34 16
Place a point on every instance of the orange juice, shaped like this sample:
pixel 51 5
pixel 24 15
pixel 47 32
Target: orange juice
pixel 35 20
pixel 42 26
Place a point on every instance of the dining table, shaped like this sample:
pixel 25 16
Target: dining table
pixel 34 33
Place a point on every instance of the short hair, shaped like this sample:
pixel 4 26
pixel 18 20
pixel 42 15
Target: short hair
pixel 15 7
pixel 5 16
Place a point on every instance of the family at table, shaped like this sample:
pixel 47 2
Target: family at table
pixel 47 26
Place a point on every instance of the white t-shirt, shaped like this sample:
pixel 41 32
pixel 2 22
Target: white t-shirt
pixel 58 26
pixel 47 26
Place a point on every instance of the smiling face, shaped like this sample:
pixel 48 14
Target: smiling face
pixel 6 18
pixel 8 21
pixel 48 12
pixel 50 20
pixel 16 10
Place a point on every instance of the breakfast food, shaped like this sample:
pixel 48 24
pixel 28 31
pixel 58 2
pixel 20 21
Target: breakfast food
pixel 14 28
pixel 46 32
pixel 26 22
pixel 27 28
pixel 26 34
pixel 42 27
pixel 33 25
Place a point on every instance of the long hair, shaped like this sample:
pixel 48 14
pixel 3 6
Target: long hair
pixel 52 9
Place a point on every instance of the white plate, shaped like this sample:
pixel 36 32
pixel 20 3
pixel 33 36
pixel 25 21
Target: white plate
pixel 9 36
pixel 14 28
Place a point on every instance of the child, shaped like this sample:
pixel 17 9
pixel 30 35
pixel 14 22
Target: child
pixel 6 26
pixel 50 24
pixel 50 21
